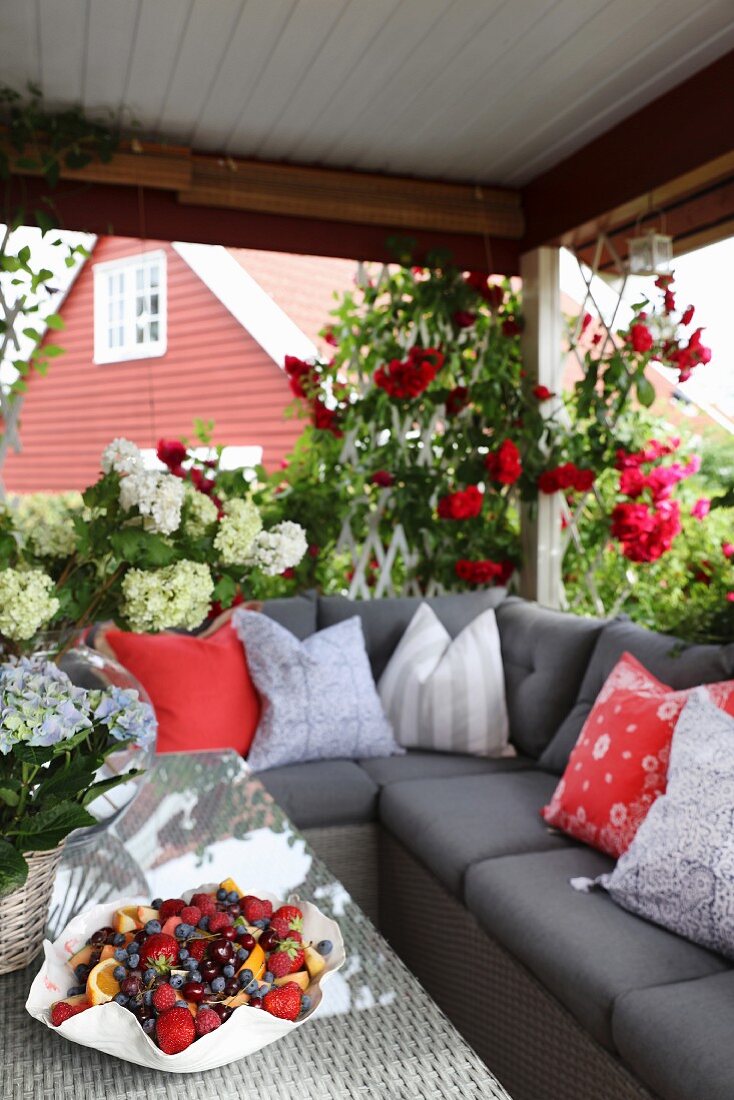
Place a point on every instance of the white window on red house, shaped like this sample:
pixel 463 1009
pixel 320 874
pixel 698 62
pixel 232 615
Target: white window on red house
pixel 130 308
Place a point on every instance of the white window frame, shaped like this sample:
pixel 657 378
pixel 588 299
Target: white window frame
pixel 129 350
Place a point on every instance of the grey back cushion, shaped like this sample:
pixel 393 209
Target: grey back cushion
pixel 295 613
pixel 669 659
pixel 384 621
pixel 545 654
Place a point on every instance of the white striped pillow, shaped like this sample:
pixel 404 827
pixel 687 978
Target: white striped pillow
pixel 448 695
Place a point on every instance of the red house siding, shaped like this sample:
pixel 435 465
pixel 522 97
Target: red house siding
pixel 212 369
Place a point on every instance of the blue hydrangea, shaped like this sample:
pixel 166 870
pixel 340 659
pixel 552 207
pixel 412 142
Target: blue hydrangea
pixel 126 716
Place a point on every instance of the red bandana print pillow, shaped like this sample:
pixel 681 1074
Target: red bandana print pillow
pixel 619 764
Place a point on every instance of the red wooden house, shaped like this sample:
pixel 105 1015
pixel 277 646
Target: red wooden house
pixel 157 335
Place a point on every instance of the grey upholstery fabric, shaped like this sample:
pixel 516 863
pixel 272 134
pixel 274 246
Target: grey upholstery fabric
pixel 384 621
pixel 582 947
pixel 295 613
pixel 677 1037
pixel 448 824
pixel 419 764
pixel 323 792
pixel 545 654
pixel 667 658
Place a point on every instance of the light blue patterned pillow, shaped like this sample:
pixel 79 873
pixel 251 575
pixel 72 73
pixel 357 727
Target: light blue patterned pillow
pixel 319 700
pixel 679 869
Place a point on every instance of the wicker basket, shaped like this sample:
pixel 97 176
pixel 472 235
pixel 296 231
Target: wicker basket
pixel 23 913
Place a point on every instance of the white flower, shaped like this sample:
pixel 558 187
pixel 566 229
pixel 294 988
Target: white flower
pixel 122 456
pixel 157 496
pixel 199 511
pixel 238 528
pixel 601 746
pixel 46 522
pixel 26 602
pixel 177 595
pixel 280 548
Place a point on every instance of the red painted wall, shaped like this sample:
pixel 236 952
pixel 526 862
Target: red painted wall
pixel 212 369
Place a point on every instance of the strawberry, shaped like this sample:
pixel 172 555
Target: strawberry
pixel 197 948
pixel 191 914
pixel 62 1010
pixel 164 997
pixel 170 908
pixel 287 958
pixel 291 914
pixel 175 1030
pixel 160 951
pixel 254 908
pixel 206 1020
pixel 284 1001
pixel 218 921
pixel 205 902
pixel 283 930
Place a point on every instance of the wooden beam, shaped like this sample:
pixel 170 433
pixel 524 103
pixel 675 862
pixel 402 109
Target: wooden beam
pixel 687 127
pixel 167 168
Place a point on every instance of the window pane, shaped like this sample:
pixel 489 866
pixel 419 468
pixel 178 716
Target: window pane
pixel 154 305
pixel 153 275
pixel 153 330
pixel 140 305
pixel 140 278
pixel 140 334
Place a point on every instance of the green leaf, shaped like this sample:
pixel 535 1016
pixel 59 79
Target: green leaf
pixel 52 350
pixel 9 796
pixel 13 868
pixel 105 785
pixel 55 321
pixel 45 221
pixel 645 391
pixel 225 591
pixel 33 754
pixel 42 831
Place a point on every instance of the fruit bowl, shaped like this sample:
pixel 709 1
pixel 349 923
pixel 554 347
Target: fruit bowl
pixel 112 1029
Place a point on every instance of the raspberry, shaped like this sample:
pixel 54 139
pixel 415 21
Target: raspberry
pixel 197 948
pixel 205 902
pixel 255 908
pixel 218 921
pixel 206 1020
pixel 164 997
pixel 170 908
pixel 62 1010
pixel 191 914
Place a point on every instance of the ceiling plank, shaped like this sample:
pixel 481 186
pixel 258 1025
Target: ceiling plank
pixel 675 134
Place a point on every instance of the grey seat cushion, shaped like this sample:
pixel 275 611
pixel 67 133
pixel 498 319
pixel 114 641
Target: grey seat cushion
pixel 582 947
pixel 323 792
pixel 678 1037
pixel 672 661
pixel 449 824
pixel 295 613
pixel 419 764
pixel 384 621
pixel 545 654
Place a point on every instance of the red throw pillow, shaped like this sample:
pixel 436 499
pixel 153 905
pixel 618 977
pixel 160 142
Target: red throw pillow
pixel 619 765
pixel 200 687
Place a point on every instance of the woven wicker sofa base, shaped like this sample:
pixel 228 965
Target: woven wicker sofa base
pixel 351 853
pixel 528 1040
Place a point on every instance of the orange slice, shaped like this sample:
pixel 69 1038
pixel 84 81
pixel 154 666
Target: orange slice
pixel 229 885
pixel 255 962
pixel 126 920
pixel 83 955
pixel 101 986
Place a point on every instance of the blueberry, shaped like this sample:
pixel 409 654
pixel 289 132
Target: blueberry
pixel 118 939
pixel 204 923
pixel 252 986
pixel 152 927
pixel 305 1002
pixel 149 975
pixel 119 973
pixel 218 985
pixel 228 970
pixel 80 972
pixel 325 947
pixel 183 954
pixel 133 962
pixel 221 894
pixel 269 977
pixel 245 977
pixel 75 990
pixel 120 999
pixel 191 964
pixel 149 1026
pixel 195 976
pixel 121 955
pixel 148 997
pixel 176 981
pixel 233 896
pixel 183 931
pixel 262 923
pixel 256 994
pixel 156 903
pixel 181 1004
pixel 242 954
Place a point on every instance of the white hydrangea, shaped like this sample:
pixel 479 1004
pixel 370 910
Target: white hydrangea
pixel 177 595
pixel 26 602
pixel 238 528
pixel 280 548
pixel 46 522
pixel 122 456
pixel 157 496
pixel 200 512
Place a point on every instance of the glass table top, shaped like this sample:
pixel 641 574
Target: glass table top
pixel 199 818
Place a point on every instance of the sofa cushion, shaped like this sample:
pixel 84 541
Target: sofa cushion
pixel 420 764
pixel 670 660
pixel 582 947
pixel 385 621
pixel 677 1037
pixel 323 792
pixel 295 613
pixel 449 824
pixel 545 654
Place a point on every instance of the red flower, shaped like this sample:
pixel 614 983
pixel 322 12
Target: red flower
pixel 584 479
pixel 324 419
pixel 586 321
pixel 464 504
pixel 669 301
pixel 640 337
pixel 199 481
pixel 663 281
pixel 478 572
pixel 730 597
pixel 646 535
pixel 596 338
pixel 409 378
pixel 457 400
pixel 687 315
pixel 289 573
pixel 329 337
pixel 301 375
pixel 631 521
pixel 566 476
pixel 383 478
pixel 542 393
pixel 464 318
pixel 511 327
pixel 504 464
pixel 685 359
pixel 701 508
pixel 632 481
pixel 492 293
pixel 314 550
pixel 171 452
pixel 727 549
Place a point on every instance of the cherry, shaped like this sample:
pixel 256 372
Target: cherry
pixel 130 986
pixel 209 970
pixel 100 936
pixel 94 958
pixel 193 991
pixel 222 1010
pixel 268 939
pixel 228 933
pixel 141 936
pixel 221 951
pixel 231 987
pixel 246 940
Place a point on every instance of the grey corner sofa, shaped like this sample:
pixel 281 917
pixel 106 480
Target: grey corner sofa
pixel 565 995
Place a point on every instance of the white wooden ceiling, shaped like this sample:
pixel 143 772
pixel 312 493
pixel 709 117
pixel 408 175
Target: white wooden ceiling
pixel 494 91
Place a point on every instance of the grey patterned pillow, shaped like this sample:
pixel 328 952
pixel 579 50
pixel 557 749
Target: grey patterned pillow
pixel 319 700
pixel 679 869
